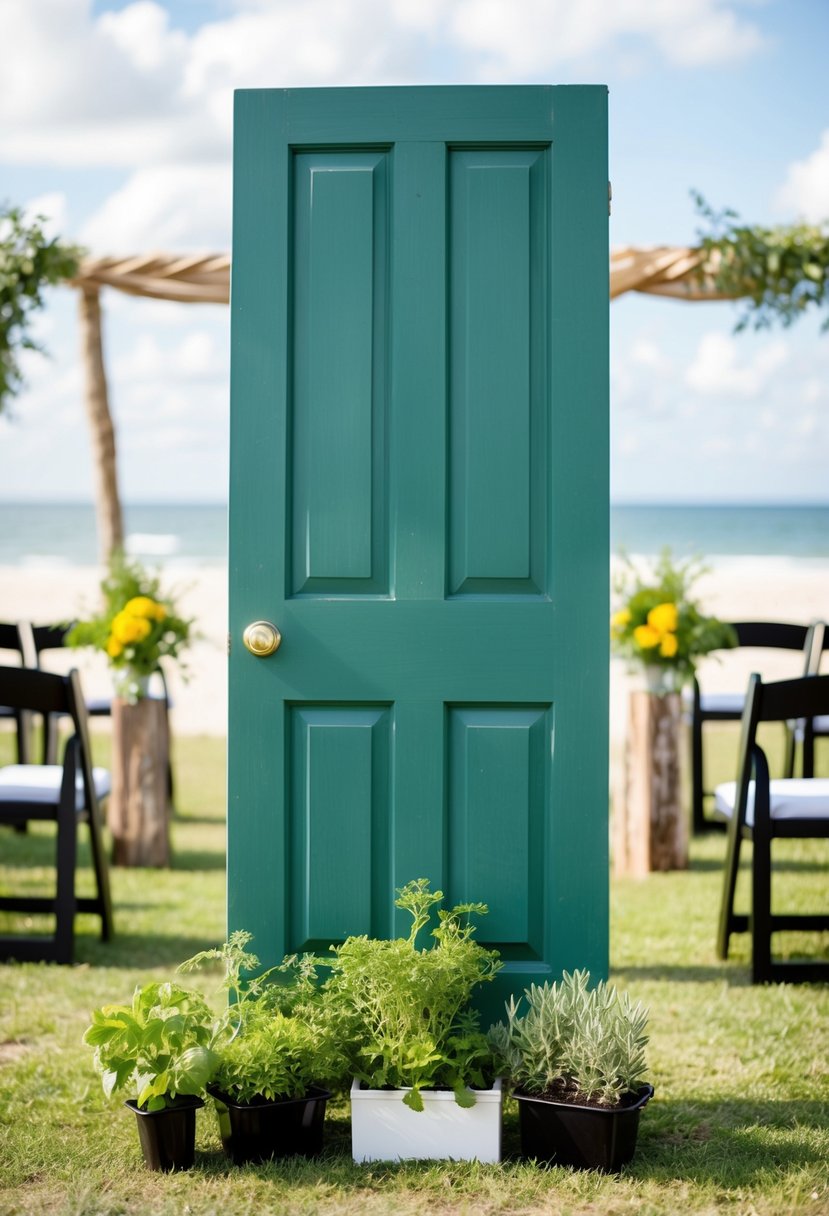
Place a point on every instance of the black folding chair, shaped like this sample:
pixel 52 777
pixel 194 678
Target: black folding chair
pixel 763 810
pixel 17 638
pixel 69 794
pixel 728 706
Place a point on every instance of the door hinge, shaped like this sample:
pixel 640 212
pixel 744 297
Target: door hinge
pixel 228 645
pixel 609 197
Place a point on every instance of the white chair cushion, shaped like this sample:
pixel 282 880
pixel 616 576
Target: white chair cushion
pixel 791 798
pixel 40 783
pixel 722 702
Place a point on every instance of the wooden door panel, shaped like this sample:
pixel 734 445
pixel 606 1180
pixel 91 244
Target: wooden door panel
pixel 339 398
pixel 339 823
pixel 499 355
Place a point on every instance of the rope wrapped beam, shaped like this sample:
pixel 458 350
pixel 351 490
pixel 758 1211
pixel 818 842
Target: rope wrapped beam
pixel 664 270
pixel 203 279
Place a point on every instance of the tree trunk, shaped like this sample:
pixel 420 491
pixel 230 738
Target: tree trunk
pixel 107 500
pixel 138 812
pixel 650 832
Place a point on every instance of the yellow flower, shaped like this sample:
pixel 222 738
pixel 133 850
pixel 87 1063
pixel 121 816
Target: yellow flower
pixel 140 605
pixel 620 618
pixel 663 618
pixel 668 646
pixel 127 628
pixel 114 647
pixel 646 637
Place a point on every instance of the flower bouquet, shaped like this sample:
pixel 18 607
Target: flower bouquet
pixel 659 625
pixel 136 628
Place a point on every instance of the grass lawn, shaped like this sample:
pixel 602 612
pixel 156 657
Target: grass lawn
pixel 740 1121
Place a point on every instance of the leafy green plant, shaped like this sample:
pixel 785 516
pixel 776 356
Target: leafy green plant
pixel 659 623
pixel 161 1044
pixel 574 1041
pixel 404 1011
pixel 29 262
pixel 274 1039
pixel 782 271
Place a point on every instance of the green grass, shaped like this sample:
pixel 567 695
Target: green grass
pixel 740 1121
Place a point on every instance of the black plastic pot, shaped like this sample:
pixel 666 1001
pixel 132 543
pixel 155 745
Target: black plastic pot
pixel 259 1131
pixel 586 1137
pixel 168 1137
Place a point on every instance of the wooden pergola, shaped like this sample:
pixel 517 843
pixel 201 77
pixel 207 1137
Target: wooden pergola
pixel 672 271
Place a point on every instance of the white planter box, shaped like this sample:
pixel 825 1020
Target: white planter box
pixel 383 1128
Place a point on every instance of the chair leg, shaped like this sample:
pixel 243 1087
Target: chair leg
pixel 808 749
pixel 730 871
pixel 67 855
pixel 761 966
pixel 697 792
pixel 791 729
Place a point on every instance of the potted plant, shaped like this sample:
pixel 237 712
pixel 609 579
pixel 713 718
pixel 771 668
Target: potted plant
pixel 161 1046
pixel 660 627
pixel 273 1046
pixel 423 1082
pixel 577 1061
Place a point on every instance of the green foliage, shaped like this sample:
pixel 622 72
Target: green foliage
pixel 137 625
pixel 161 1044
pixel 783 271
pixel 29 262
pixel 272 1056
pixel 574 1040
pixel 658 622
pixel 275 1038
pixel 404 1011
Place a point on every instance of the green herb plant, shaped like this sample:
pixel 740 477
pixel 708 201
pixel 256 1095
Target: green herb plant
pixel 574 1041
pixel 161 1045
pixel 405 1011
pixel 274 1039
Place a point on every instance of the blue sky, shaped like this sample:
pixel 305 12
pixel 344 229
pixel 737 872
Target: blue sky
pixel 115 119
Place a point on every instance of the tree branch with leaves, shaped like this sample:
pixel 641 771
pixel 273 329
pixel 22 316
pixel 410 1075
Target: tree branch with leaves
pixel 29 263
pixel 779 272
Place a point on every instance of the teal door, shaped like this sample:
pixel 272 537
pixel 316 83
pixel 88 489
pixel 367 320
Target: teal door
pixel 419 503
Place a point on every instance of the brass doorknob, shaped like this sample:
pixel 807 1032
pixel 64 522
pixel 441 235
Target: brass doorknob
pixel 262 638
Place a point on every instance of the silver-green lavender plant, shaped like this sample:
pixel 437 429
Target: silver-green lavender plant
pixel 574 1039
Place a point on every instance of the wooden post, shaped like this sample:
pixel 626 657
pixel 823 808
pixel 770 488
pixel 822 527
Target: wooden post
pixel 138 812
pixel 102 429
pixel 650 831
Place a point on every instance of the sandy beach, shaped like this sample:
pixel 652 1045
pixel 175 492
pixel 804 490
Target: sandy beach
pixel 751 588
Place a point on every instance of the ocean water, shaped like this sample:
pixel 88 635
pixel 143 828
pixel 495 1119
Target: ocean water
pixel 33 534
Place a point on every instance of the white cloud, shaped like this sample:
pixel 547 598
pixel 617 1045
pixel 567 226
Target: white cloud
pixel 125 88
pixel 521 41
pixel 196 357
pixel 647 353
pixel 805 192
pixel 53 207
pixel 172 208
pixel 717 370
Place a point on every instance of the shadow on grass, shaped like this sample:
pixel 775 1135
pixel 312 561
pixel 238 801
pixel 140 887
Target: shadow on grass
pixel 689 974
pixel 731 1143
pixel 129 951
pixel 197 859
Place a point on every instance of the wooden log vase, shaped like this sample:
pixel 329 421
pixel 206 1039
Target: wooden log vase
pixel 138 813
pixel 650 829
